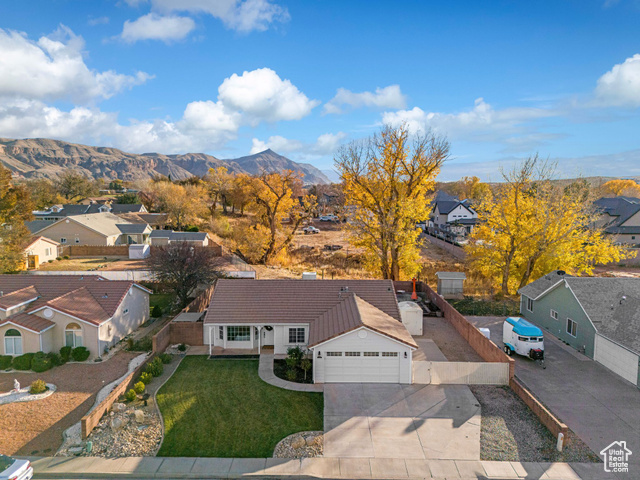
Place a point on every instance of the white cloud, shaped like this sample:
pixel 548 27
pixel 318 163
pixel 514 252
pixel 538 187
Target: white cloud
pixel 240 15
pixel 53 68
pixel 263 96
pixel 157 27
pixel 93 21
pixel 387 97
pixel 620 86
pixel 325 144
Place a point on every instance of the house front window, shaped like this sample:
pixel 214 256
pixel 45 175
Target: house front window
pixel 530 304
pixel 296 335
pixel 572 327
pixel 63 240
pixel 73 335
pixel 12 342
pixel 554 314
pixel 238 334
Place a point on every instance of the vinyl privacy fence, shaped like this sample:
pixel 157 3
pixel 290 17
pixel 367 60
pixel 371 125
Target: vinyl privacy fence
pixel 460 373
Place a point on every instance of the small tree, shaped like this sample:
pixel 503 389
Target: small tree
pixel 182 267
pixel 305 365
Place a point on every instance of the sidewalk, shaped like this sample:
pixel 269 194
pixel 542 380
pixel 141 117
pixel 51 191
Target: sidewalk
pixel 352 468
pixel 265 371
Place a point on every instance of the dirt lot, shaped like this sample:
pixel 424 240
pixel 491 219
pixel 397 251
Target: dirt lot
pixel 94 263
pixel 448 340
pixel 35 428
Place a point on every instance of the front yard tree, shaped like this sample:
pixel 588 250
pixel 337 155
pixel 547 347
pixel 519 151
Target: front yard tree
pixel 533 225
pixel 386 180
pixel 15 209
pixel 182 267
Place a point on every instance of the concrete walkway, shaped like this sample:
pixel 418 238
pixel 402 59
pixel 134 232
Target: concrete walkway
pixel 352 468
pixel 265 371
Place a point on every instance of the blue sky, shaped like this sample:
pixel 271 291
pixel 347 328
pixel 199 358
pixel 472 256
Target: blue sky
pixel 501 79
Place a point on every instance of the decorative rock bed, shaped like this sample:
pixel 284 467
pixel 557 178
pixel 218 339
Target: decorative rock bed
pixel 23 395
pixel 300 445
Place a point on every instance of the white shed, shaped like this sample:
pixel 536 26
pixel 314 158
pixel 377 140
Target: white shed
pixel 451 284
pixel 411 315
pixel 139 251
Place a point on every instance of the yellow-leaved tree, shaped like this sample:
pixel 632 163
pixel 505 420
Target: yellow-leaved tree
pixel 386 179
pixel 532 225
pixel 627 188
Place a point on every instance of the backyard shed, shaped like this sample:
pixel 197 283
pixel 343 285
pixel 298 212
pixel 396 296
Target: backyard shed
pixel 411 315
pixel 139 251
pixel 451 284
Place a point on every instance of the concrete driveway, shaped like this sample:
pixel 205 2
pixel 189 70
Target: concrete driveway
pixel 401 421
pixel 598 405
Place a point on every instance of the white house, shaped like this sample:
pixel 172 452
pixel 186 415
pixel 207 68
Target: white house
pixel 40 250
pixel 449 213
pixel 352 328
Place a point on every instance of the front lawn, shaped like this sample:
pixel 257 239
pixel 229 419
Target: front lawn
pixel 221 408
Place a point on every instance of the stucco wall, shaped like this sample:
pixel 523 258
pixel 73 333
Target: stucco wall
pixel 89 332
pixel 137 302
pixel 30 340
pixel 73 230
pixel 40 249
pixel 562 300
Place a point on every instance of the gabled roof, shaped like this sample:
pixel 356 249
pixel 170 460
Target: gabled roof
pixel 34 240
pixel 447 203
pixel 82 304
pixel 621 209
pixel 351 313
pixel 69 210
pixel 30 322
pixel 35 226
pixel 150 218
pixel 134 228
pixel 18 297
pixel 543 284
pixel 102 223
pixel 179 236
pixel 292 301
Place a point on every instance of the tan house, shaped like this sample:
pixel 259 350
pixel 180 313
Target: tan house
pixel 39 251
pixel 92 229
pixel 45 313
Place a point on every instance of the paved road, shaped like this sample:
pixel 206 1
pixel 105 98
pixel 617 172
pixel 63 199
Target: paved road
pixel 598 405
pixel 401 421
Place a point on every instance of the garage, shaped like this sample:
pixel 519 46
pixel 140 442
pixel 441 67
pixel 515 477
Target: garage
pixel 616 358
pixel 366 367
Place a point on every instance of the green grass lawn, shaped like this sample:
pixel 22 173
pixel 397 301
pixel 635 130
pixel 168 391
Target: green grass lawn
pixel 165 300
pixel 221 408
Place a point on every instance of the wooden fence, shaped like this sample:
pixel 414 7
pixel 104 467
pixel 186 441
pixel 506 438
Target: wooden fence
pixel 95 250
pixel 89 421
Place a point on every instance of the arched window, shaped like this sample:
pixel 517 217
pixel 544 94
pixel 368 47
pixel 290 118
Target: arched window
pixel 73 335
pixel 12 342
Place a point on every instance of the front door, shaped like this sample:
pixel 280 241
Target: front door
pixel 267 336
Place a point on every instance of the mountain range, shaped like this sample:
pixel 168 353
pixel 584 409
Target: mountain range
pixel 42 157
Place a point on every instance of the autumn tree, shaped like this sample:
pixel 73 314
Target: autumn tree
pixel 279 211
pixel 74 186
pixel 620 187
pixel 15 209
pixel 184 204
pixel 43 193
pixel 532 225
pixel 471 188
pixel 219 184
pixel 386 180
pixel 240 192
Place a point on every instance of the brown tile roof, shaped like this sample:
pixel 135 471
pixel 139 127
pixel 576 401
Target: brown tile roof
pixel 351 313
pixel 31 322
pixel 88 290
pixel 11 299
pixel 285 301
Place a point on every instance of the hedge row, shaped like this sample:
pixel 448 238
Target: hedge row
pixel 41 362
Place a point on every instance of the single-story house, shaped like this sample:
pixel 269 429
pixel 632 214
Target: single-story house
pixel 47 312
pixel 92 229
pixel 166 237
pixel 352 328
pixel 40 250
pixel 58 212
pixel 598 316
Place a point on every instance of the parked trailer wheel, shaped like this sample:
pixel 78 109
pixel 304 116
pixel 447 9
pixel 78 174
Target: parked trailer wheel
pixel 507 350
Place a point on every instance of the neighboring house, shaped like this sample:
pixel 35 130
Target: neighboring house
pixel 39 251
pixel 451 216
pixel 598 316
pixel 93 229
pixel 154 220
pixel 57 212
pixel 47 312
pixel 167 237
pixel 620 217
pixel 352 327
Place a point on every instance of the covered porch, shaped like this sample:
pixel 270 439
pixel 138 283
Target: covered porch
pixel 247 339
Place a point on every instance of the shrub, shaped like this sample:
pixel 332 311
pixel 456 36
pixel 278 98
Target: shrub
pixel 65 354
pixel 165 358
pixel 305 365
pixel 58 258
pixel 40 362
pixel 156 311
pixel 54 358
pixel 66 257
pixel 182 347
pixel 50 261
pixel 294 356
pixel 80 354
pixel 145 344
pixel 23 362
pixel 139 387
pixel 146 378
pixel 292 375
pixel 192 228
pixel 130 395
pixel 5 361
pixel 38 386
pixel 155 367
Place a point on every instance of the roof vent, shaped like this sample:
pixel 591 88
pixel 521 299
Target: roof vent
pixel 623 299
pixel 561 272
pixel 106 295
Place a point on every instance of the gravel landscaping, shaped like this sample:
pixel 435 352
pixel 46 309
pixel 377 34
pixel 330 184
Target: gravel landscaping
pixel 35 428
pixel 300 445
pixel 448 340
pixel 511 432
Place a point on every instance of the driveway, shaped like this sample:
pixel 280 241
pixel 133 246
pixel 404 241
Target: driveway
pixel 401 421
pixel 598 405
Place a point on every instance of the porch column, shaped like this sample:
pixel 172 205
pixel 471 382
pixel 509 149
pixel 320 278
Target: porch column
pixel 210 328
pixel 224 339
pixel 259 339
pixel 253 334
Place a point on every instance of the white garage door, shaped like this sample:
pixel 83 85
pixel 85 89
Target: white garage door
pixel 362 367
pixel 617 359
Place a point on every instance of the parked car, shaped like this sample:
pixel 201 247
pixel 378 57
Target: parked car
pixel 329 218
pixel 523 338
pixel 310 229
pixel 14 469
pixel 333 247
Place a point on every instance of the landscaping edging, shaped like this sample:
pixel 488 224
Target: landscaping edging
pixel 23 395
pixel 300 445
pixel 179 359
